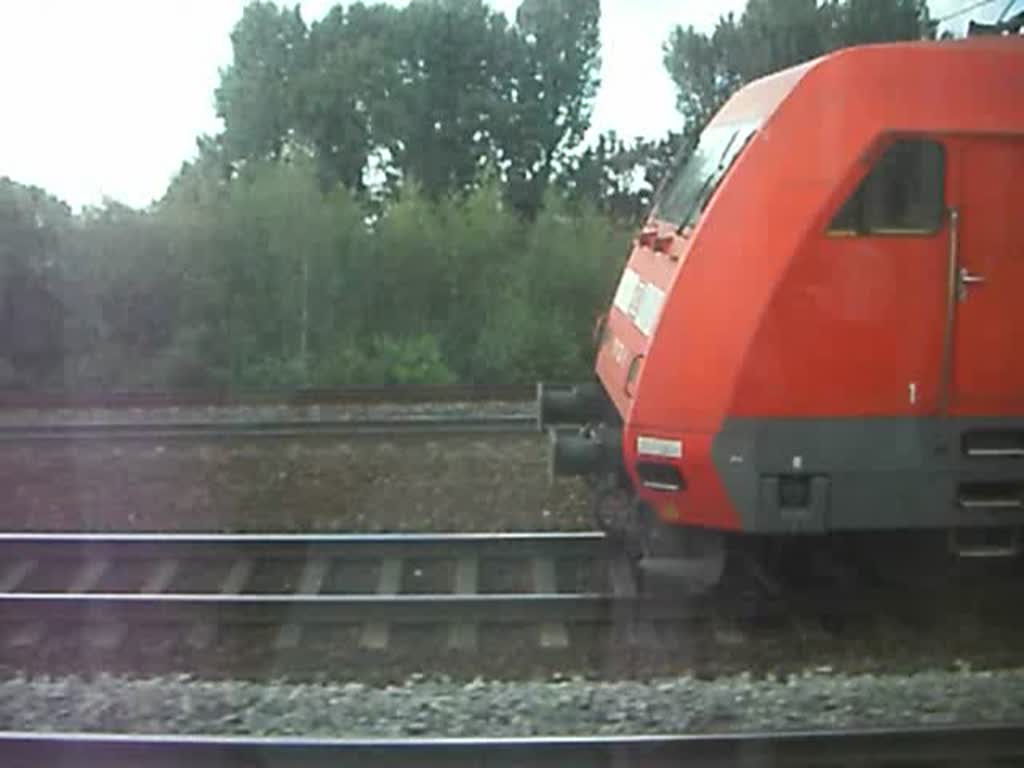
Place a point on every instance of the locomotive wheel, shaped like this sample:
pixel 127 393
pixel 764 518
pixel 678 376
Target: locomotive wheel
pixel 680 559
pixel 615 512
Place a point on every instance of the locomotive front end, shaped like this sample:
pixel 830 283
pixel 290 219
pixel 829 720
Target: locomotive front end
pixel 599 431
pixel 641 433
pixel 611 430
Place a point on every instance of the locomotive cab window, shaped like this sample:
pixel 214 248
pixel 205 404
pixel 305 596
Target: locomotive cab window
pixel 903 193
pixel 691 188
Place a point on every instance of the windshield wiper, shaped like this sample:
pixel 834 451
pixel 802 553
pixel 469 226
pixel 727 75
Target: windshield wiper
pixel 696 202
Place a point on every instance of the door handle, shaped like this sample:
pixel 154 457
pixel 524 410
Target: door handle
pixel 631 372
pixel 966 279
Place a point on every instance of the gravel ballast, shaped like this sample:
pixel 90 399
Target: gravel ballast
pixel 234 414
pixel 815 699
pixel 387 483
pixel 422 482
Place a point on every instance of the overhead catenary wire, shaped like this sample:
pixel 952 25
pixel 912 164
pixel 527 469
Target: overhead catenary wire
pixel 962 11
pixel 1006 10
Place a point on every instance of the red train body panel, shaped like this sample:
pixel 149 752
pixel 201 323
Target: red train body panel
pixel 817 328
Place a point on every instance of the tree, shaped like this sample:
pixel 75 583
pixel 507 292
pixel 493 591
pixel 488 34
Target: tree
pixel 346 94
pixel 434 92
pixel 271 283
pixel 129 312
pixel 33 228
pixel 549 293
pixel 870 21
pixel 452 59
pixel 621 179
pixel 256 97
pixel 555 65
pixel 772 35
pixel 484 237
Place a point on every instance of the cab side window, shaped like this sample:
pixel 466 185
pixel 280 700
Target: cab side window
pixel 903 193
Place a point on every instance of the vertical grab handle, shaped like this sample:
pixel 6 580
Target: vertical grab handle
pixel 631 372
pixel 952 288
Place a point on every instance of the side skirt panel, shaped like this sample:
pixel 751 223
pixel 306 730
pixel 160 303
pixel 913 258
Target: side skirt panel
pixel 818 475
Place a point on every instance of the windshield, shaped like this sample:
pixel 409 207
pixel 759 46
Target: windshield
pixel 691 187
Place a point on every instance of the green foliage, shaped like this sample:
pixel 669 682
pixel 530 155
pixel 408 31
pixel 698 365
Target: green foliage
pixel 484 239
pixel 33 223
pixel 271 270
pixel 256 96
pixel 264 281
pixel 555 76
pixel 431 93
pixel 453 60
pixel 34 228
pixel 621 179
pixel 385 360
pixel 346 92
pixel 551 295
pixel 774 34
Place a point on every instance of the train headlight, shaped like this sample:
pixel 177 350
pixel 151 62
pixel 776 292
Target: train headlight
pixel 657 446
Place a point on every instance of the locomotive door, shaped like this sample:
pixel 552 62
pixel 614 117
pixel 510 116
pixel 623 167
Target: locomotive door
pixel 986 375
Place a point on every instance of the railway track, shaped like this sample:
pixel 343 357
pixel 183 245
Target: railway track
pixel 963 745
pixel 372 587
pixel 461 581
pixel 377 608
pixel 294 428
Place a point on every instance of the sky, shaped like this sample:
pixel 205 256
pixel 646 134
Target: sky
pixel 104 98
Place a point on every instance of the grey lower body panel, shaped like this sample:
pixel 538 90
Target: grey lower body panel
pixel 869 473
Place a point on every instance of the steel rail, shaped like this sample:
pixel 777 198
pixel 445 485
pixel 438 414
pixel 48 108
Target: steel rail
pixel 274 546
pixel 299 397
pixel 332 609
pixel 397 427
pixel 906 746
pixel 78 559
pixel 78 562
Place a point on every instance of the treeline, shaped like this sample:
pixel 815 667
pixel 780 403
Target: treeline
pixel 397 195
pixel 436 91
pixel 270 282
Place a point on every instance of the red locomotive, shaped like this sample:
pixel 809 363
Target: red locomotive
pixel 816 329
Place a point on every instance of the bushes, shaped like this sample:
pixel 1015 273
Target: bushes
pixel 385 360
pixel 264 281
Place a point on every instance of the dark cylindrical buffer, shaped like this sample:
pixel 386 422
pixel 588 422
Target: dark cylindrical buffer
pixel 569 404
pixel 584 452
